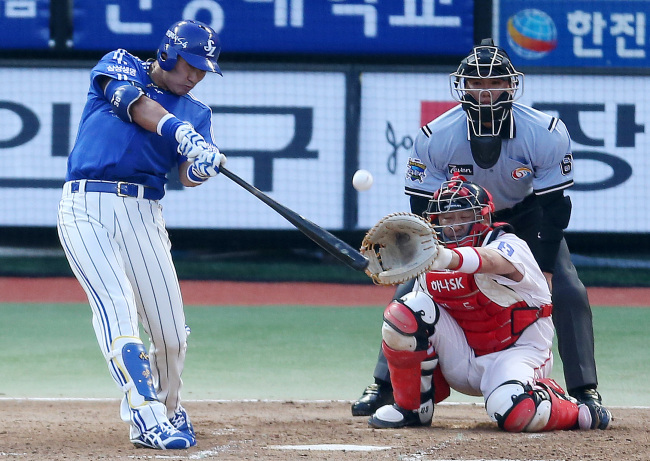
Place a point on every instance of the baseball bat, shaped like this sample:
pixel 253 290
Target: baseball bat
pixel 328 242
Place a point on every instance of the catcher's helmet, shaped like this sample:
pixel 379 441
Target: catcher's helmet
pixel 456 195
pixel 195 42
pixel 486 61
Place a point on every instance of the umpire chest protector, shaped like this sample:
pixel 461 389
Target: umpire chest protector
pixel 488 326
pixel 485 150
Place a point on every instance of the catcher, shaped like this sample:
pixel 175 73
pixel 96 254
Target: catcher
pixel 478 319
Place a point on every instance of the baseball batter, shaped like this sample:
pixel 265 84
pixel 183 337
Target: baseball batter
pixel 140 121
pixel 523 157
pixel 481 319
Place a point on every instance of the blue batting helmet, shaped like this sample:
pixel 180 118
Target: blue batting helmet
pixel 195 42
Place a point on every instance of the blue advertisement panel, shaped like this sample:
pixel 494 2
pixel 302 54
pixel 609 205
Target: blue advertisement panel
pixel 345 27
pixel 24 24
pixel 580 33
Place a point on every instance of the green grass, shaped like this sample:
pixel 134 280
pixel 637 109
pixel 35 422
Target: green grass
pixel 290 352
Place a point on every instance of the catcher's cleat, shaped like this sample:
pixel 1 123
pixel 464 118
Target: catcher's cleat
pixel 163 437
pixel 373 397
pixel 181 421
pixel 591 412
pixel 393 416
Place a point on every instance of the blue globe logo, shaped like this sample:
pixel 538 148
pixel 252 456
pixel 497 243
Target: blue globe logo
pixel 532 33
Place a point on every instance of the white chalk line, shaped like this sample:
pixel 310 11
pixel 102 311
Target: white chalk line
pixel 328 447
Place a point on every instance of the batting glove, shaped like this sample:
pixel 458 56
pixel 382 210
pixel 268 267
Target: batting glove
pixel 206 164
pixel 190 143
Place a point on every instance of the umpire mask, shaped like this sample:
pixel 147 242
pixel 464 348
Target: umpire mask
pixel 488 106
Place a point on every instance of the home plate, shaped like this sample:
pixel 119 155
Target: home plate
pixel 329 447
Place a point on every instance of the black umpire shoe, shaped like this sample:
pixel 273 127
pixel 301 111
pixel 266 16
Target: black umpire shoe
pixel 373 397
pixel 592 414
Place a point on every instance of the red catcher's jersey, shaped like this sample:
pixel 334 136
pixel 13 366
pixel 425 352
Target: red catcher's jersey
pixel 488 326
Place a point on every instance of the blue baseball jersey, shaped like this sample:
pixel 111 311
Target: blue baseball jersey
pixel 536 160
pixel 107 148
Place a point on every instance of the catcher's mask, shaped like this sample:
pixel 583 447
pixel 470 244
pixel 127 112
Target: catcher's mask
pixel 487 108
pixel 474 206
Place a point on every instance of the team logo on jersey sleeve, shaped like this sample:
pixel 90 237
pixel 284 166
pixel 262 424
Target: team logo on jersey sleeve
pixel 416 170
pixel 119 64
pixel 521 173
pixel 120 69
pixel 566 165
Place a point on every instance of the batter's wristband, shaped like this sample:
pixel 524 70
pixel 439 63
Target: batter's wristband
pixel 167 127
pixel 470 260
pixel 192 176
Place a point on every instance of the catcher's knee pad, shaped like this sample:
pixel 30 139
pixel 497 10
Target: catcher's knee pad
pixel 519 407
pixel 510 406
pixel 129 365
pixel 409 321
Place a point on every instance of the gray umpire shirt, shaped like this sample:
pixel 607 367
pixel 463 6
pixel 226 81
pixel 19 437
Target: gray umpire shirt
pixel 537 159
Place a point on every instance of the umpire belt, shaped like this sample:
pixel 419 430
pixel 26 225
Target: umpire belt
pixel 119 188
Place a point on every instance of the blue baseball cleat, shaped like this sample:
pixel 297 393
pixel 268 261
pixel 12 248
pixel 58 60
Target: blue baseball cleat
pixel 164 437
pixel 181 421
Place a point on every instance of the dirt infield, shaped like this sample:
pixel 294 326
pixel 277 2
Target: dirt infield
pixel 91 430
pixel 206 293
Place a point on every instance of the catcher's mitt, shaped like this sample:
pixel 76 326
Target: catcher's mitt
pixel 400 246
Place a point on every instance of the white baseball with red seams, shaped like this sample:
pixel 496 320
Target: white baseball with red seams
pixel 362 180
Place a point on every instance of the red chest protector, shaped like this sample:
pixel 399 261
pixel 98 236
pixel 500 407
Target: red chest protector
pixel 488 326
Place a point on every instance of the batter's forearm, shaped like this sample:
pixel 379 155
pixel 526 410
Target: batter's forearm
pixel 147 113
pixel 182 175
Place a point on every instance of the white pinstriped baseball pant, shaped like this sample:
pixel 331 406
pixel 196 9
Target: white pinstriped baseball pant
pixel 119 250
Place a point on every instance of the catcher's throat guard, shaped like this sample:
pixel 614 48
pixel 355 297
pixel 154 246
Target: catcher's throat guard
pixel 399 247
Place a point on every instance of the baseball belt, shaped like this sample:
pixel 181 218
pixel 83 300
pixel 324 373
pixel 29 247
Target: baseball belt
pixel 119 188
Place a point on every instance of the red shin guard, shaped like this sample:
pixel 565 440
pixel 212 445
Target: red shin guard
pixel 564 413
pixel 405 373
pixel 542 407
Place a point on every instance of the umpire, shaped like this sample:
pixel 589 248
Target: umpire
pixel 523 157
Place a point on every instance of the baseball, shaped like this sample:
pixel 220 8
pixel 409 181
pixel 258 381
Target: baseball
pixel 362 180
